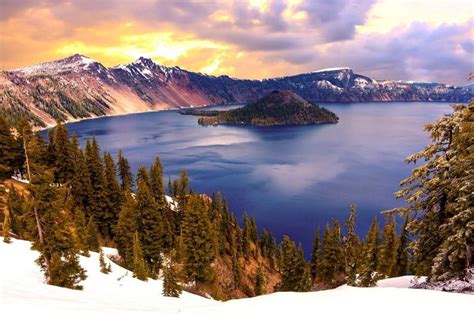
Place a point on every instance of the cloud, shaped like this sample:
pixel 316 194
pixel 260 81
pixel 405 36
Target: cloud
pixel 336 19
pixel 246 39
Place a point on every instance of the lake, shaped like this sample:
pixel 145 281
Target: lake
pixel 292 179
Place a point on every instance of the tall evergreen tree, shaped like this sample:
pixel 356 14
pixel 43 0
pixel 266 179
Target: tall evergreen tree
pixel 142 176
pixel 126 227
pixel 80 184
pixel 140 269
pixel 93 235
pixel 8 151
pixel 351 248
pixel 246 233
pixel 171 287
pixel 388 249
pixel 332 262
pixel 6 219
pixel 112 192
pixel 150 229
pixel 157 186
pixel 315 254
pixel 82 232
pixel 440 195
pixel 402 262
pixel 368 270
pixel 49 222
pixel 63 164
pixel 197 241
pixel 259 282
pixel 295 272
pixel 125 173
pixel 98 199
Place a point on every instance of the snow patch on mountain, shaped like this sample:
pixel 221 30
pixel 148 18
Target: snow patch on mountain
pixel 331 69
pixel 74 63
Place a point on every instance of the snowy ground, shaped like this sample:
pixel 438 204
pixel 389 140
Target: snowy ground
pixel 23 292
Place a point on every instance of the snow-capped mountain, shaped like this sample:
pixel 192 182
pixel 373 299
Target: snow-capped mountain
pixel 79 87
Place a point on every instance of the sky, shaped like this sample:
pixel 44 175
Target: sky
pixel 423 40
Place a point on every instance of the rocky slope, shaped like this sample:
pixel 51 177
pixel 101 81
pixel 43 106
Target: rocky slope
pixel 78 87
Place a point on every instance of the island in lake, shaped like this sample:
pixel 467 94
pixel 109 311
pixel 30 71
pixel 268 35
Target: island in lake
pixel 276 108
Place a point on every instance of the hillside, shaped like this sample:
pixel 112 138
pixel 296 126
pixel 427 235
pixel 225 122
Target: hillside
pixel 275 108
pixel 78 87
pixel 23 292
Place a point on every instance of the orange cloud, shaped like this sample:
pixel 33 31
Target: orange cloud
pixel 247 39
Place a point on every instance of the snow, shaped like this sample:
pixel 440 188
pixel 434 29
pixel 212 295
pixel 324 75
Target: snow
pixel 24 293
pixel 172 203
pixel 20 179
pixel 73 63
pixel 325 84
pixel 331 69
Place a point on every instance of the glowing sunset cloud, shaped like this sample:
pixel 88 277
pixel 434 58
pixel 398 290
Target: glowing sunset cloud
pixel 403 39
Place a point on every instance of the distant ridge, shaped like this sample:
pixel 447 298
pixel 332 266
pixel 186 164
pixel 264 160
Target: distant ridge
pixel 79 87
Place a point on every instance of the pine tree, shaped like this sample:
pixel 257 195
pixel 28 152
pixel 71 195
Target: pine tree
pixel 63 164
pixel 97 199
pixel 93 235
pixel 142 176
pixel 246 236
pixel 171 287
pixel 351 248
pixel 150 228
pixel 126 227
pixel 104 267
pixel 439 194
pixel 332 262
pixel 125 173
pixel 51 228
pixel 197 241
pixel 388 249
pixel 236 270
pixel 368 270
pixel 113 194
pixel 402 262
pixel 82 232
pixel 80 184
pixel 140 270
pixel 6 221
pixel 259 282
pixel 181 189
pixel 157 186
pixel 16 203
pixel 315 254
pixel 295 272
pixel 7 151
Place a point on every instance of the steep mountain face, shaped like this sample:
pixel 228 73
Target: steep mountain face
pixel 79 87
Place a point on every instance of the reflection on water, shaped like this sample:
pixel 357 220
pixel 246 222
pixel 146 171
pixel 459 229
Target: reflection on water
pixel 292 179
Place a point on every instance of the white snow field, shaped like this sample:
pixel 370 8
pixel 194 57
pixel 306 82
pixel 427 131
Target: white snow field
pixel 23 292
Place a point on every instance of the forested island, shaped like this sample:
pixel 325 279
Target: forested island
pixel 276 108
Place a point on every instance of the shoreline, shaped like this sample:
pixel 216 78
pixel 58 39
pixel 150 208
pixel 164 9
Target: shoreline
pixel 49 126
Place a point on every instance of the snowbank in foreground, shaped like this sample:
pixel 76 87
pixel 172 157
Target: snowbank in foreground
pixel 23 292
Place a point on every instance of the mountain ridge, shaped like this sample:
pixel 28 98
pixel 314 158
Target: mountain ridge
pixel 78 87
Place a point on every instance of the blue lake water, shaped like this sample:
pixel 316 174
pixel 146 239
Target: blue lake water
pixel 292 179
